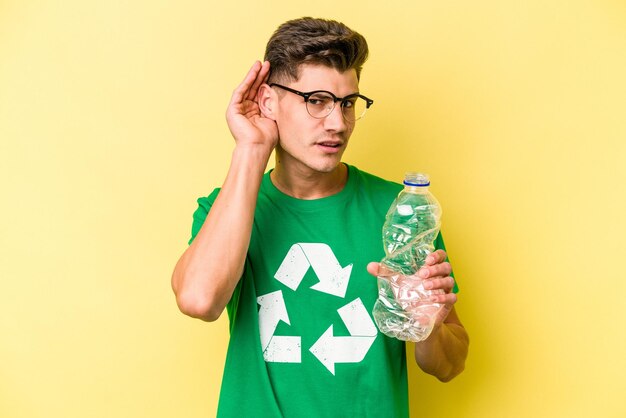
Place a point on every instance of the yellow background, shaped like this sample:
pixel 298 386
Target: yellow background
pixel 112 124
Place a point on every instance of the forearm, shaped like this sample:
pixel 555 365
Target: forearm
pixel 209 270
pixel 444 352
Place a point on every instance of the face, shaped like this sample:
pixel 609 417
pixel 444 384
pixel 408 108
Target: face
pixel 307 144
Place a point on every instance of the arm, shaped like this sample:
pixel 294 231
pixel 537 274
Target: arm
pixel 208 271
pixel 444 352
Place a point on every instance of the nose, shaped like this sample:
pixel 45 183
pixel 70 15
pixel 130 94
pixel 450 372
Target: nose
pixel 335 121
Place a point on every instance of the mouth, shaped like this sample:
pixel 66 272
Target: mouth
pixel 330 147
pixel 330 144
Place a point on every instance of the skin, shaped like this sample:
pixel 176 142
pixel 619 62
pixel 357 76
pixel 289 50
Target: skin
pixel 308 156
pixel 444 352
pixel 304 167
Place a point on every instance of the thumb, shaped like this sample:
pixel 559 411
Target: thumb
pixel 443 312
pixel 373 268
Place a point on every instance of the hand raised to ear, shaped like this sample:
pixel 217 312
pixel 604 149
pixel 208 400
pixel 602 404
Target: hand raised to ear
pixel 243 115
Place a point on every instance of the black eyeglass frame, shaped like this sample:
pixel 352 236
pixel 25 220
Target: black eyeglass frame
pixel 308 94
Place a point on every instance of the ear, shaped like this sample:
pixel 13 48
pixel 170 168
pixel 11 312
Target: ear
pixel 268 101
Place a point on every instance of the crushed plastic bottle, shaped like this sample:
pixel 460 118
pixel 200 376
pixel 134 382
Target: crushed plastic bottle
pixel 404 309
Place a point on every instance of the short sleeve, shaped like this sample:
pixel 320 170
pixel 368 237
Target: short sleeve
pixel 199 216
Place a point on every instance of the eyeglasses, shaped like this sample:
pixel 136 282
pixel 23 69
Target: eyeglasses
pixel 320 103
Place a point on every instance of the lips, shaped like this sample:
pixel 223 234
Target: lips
pixel 330 144
pixel 330 147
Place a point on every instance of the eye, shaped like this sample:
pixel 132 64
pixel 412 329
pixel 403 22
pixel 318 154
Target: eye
pixel 349 103
pixel 319 99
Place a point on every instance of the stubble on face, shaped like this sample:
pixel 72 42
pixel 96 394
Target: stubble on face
pixel 307 143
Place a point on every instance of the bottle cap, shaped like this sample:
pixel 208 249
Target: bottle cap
pixel 416 179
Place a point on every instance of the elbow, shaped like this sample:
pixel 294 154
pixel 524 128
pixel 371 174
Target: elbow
pixel 200 294
pixel 445 378
pixel 195 306
pixel 457 365
pixel 449 363
pixel 194 302
pixel 444 374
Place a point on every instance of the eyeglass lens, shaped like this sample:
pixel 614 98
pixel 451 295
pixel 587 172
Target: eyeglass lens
pixel 321 105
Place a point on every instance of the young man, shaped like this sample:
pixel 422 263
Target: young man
pixel 287 253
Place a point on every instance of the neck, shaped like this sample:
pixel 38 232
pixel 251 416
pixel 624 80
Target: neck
pixel 307 184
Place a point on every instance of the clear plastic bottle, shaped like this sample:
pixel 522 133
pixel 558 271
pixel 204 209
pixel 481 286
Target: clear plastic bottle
pixel 403 309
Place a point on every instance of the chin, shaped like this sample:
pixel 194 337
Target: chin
pixel 326 167
pixel 314 161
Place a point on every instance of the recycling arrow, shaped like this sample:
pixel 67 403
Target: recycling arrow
pixel 333 279
pixel 330 350
pixel 276 348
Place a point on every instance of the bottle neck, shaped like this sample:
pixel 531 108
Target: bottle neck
pixel 416 189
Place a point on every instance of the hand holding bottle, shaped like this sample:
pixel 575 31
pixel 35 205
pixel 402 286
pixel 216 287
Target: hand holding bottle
pixel 435 276
pixel 412 277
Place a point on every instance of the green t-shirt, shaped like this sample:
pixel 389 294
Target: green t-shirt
pixel 303 342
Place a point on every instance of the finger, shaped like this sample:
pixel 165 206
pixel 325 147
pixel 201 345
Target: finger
pixel 267 72
pixel 445 310
pixel 446 284
pixel 442 269
pixel 260 79
pixel 373 268
pixel 447 299
pixel 241 92
pixel 436 257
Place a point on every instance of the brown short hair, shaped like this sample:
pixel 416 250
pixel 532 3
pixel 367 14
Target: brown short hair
pixel 314 41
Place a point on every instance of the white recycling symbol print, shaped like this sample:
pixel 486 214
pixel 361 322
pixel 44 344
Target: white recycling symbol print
pixel 333 280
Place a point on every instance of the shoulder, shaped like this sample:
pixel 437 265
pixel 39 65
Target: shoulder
pixel 204 206
pixel 374 184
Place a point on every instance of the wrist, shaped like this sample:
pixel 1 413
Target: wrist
pixel 253 150
pixel 251 157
